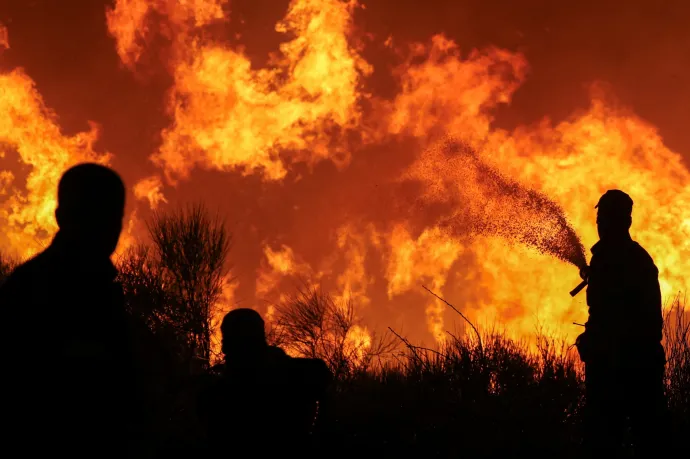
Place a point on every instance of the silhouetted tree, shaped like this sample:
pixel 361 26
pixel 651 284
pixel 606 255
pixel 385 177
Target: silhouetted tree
pixel 148 298
pixel 190 250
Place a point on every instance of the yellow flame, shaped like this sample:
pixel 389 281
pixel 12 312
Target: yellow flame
pixel 279 265
pixel 574 162
pixel 357 343
pixel 129 21
pixel 150 188
pixel 225 304
pixel 353 281
pixel 30 136
pixel 428 258
pixel 228 114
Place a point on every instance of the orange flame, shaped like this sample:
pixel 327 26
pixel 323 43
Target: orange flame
pixel 224 305
pixel 37 153
pixel 150 188
pixel 30 135
pixel 130 22
pixel 573 162
pixel 227 114
pixel 426 258
pixel 280 265
pixel 448 94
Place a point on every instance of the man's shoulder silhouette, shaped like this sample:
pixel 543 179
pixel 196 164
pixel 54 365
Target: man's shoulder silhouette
pixel 626 256
pixel 27 293
pixel 640 256
pixel 26 273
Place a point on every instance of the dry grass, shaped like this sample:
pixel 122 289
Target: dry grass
pixel 7 264
pixel 483 395
pixel 677 345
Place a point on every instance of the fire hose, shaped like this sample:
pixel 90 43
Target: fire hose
pixel 579 288
pixel 584 273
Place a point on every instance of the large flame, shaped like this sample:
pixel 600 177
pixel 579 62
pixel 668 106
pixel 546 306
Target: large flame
pixel 573 162
pixel 228 115
pixel 30 136
pixel 135 23
pixel 311 104
pixel 35 154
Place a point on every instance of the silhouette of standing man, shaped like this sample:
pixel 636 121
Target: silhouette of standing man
pixel 68 372
pixel 263 403
pixel 621 346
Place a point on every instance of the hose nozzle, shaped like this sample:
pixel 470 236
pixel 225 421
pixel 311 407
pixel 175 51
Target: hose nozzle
pixel 579 288
pixel 584 274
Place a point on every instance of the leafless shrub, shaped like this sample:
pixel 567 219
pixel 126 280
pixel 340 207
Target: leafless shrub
pixel 191 249
pixel 174 284
pixel 312 324
pixel 149 300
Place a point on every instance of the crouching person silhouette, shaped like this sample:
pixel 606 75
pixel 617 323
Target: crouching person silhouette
pixel 68 373
pixel 263 401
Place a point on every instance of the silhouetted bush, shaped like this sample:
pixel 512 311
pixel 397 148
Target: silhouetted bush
pixel 470 398
pixel 190 248
pixel 174 283
pixel 485 395
pixel 312 324
pixel 172 286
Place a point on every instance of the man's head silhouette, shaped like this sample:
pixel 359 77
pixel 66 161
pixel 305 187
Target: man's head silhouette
pixel 614 215
pixel 91 205
pixel 243 333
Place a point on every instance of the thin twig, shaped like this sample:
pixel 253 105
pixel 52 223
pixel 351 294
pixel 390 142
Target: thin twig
pixel 461 315
pixel 414 348
pixel 405 341
pixel 454 337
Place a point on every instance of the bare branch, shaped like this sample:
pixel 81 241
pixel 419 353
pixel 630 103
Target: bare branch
pixel 479 338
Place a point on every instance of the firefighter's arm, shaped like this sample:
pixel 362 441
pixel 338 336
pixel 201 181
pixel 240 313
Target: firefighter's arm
pixel 609 283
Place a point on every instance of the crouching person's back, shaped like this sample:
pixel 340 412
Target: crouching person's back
pixel 263 401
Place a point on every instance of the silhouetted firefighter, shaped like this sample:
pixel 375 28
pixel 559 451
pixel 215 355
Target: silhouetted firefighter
pixel 621 345
pixel 68 372
pixel 264 402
